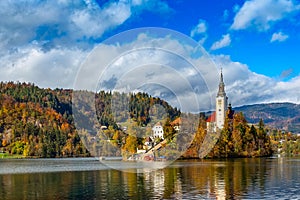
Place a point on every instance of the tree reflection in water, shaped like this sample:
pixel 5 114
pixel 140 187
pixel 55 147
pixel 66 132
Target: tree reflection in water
pixel 208 179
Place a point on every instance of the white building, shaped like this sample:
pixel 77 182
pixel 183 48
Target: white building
pixel 158 131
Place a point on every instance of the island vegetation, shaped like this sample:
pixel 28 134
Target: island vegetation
pixel 36 122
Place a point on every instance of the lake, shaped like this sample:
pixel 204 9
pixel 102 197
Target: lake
pixel 87 178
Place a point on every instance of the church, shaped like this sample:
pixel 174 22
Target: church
pixel 216 120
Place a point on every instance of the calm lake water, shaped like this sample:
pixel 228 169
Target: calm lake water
pixel 87 178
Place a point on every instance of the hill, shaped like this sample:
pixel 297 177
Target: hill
pixel 285 116
pixel 39 122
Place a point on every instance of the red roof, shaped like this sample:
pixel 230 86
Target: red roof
pixel 177 121
pixel 212 117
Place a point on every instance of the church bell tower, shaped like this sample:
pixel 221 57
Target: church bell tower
pixel 221 104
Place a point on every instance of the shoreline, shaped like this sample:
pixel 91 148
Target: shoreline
pixel 8 156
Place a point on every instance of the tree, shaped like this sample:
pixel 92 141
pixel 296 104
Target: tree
pixel 130 145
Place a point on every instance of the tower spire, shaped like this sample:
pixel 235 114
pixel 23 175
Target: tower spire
pixel 221 92
pixel 221 78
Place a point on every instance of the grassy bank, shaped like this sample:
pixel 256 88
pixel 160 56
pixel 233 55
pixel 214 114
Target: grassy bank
pixel 7 155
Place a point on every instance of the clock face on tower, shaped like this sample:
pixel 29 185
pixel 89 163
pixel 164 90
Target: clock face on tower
pixel 219 102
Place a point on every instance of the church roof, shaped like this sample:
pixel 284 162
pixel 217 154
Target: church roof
pixel 212 117
pixel 177 121
pixel 158 124
pixel 148 139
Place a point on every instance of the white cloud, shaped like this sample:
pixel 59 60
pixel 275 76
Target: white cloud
pixel 223 42
pixel 166 76
pixel 164 70
pixel 200 28
pixel 93 22
pixel 280 37
pixel 261 14
pixel 246 87
pixel 61 23
pixel 154 71
pixel 41 38
pixel 158 72
pixel 199 31
pixel 55 68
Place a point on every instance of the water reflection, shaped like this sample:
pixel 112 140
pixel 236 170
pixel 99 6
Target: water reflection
pixel 224 179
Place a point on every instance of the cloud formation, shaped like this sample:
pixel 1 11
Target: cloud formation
pixel 56 23
pixel 246 87
pixel 279 37
pixel 200 28
pixel 46 40
pixel 163 75
pixel 169 67
pixel 160 73
pixel 54 68
pixel 262 14
pixel 223 42
pixel 199 31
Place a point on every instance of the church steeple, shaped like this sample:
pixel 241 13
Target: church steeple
pixel 221 92
pixel 216 121
pixel 221 104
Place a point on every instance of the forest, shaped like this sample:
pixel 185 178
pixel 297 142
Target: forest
pixel 236 139
pixel 37 122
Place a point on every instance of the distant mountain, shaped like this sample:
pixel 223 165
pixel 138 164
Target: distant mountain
pixel 284 116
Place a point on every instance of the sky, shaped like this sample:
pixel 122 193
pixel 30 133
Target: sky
pixel 257 43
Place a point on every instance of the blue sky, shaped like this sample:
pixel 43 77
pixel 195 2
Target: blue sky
pixel 252 44
pixel 257 42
